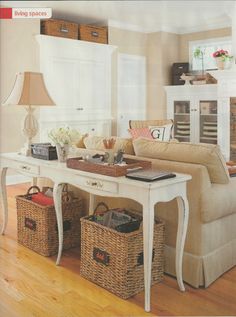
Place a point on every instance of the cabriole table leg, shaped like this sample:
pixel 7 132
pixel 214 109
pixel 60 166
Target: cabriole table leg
pixel 3 196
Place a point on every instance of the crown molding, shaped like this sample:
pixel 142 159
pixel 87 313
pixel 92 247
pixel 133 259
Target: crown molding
pixel 208 27
pixel 168 29
pixel 126 26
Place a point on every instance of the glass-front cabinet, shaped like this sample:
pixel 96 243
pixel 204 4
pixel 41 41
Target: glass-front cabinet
pixel 193 110
pixel 182 120
pixel 208 121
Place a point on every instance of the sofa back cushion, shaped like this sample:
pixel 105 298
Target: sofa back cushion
pixel 208 155
pixel 96 143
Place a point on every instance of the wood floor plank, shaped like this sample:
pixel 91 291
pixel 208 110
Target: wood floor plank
pixel 33 286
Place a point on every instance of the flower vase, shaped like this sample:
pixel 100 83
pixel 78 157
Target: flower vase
pixel 62 152
pixel 220 63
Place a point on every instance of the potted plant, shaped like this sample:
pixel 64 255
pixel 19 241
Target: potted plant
pixel 199 54
pixel 222 58
pixel 63 138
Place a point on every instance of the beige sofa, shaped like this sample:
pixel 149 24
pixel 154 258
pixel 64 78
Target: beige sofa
pixel 210 248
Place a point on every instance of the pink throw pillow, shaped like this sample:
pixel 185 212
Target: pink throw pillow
pixel 140 132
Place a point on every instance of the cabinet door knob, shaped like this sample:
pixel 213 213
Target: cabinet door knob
pixel 80 108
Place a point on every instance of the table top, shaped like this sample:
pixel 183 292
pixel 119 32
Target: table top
pixel 54 164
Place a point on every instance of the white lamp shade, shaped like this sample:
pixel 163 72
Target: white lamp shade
pixel 29 90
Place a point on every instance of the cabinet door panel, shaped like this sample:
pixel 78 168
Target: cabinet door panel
pixel 92 85
pixel 64 82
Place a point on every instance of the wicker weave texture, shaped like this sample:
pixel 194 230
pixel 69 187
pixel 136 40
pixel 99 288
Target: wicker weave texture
pixel 37 225
pixel 124 274
pixel 93 33
pixel 60 28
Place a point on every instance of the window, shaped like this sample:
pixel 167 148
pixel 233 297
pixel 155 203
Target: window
pixel 208 47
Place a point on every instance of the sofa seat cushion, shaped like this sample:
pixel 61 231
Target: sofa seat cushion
pixel 218 201
pixel 208 155
pixel 96 143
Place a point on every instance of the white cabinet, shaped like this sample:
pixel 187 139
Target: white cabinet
pixel 78 77
pixel 194 112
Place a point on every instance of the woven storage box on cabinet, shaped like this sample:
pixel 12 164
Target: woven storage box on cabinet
pixel 37 225
pixel 93 33
pixel 60 28
pixel 123 273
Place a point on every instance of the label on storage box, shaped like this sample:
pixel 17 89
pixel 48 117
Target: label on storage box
pixel 101 256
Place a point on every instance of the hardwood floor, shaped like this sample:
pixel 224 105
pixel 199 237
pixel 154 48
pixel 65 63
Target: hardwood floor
pixel 32 286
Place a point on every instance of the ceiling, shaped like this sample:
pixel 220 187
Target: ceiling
pixel 145 16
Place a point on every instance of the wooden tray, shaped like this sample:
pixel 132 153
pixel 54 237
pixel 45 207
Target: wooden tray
pixel 109 170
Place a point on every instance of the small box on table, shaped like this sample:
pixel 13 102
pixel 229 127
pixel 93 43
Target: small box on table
pixel 43 151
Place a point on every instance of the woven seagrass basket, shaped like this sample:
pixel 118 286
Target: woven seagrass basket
pixel 114 260
pixel 37 224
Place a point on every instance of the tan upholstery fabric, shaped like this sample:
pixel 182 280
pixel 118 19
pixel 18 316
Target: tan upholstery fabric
pixel 95 143
pixel 219 201
pixel 146 123
pixel 80 142
pixel 208 155
pixel 203 270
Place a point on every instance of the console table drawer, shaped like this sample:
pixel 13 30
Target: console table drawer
pixel 105 186
pixel 27 168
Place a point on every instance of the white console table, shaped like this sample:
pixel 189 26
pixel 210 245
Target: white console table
pixel 147 194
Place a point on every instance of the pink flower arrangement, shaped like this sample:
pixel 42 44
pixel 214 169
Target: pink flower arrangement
pixel 221 53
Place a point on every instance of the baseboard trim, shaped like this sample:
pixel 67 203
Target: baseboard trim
pixel 17 179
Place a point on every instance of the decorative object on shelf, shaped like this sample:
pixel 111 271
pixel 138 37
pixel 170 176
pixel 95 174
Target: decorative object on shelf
pixel 93 33
pixel 210 79
pixel 199 82
pixel 177 70
pixel 187 78
pixel 223 59
pixel 199 54
pixel 61 28
pixel 29 90
pixel 63 138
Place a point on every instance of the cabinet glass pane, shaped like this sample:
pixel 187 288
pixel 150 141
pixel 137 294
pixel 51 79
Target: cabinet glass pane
pixel 208 121
pixel 182 120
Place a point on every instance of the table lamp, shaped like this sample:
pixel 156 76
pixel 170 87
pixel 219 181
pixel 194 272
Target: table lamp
pixel 29 90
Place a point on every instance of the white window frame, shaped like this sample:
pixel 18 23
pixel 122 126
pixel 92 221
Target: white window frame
pixel 217 40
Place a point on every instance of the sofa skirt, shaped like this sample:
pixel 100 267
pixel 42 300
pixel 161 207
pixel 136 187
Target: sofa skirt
pixel 203 270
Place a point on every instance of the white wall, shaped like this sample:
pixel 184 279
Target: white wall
pixel 18 52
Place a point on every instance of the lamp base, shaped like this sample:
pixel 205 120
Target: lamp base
pixel 30 128
pixel 26 150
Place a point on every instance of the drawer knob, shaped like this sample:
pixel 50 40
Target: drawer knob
pixel 94 184
pixel 25 167
pixel 80 108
